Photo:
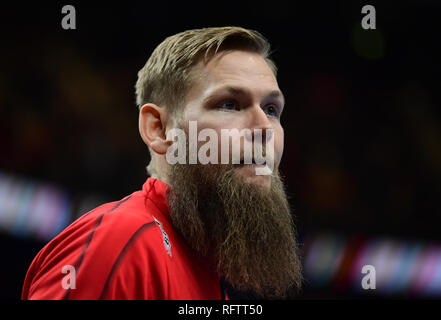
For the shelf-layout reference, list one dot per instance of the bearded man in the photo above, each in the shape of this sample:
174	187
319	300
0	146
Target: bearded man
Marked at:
192	227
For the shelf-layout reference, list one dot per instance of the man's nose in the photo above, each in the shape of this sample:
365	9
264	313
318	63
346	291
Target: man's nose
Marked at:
259	120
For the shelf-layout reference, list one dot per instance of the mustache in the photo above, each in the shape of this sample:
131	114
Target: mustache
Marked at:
232	147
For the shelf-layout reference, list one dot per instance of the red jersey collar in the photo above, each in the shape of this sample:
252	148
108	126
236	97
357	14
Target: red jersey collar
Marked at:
156	190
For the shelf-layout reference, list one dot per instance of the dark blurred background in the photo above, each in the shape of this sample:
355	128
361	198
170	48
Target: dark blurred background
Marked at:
362	159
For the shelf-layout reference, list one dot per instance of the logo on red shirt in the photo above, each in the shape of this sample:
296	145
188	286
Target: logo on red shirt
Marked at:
167	243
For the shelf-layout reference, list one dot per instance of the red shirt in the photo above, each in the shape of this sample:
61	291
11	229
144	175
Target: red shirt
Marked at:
122	250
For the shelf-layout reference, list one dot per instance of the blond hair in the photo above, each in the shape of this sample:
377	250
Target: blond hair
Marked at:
167	76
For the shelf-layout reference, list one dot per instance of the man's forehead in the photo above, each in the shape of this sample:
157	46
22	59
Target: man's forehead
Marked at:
236	73
239	64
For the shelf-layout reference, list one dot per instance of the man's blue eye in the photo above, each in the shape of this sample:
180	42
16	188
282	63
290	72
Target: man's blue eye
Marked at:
272	111
228	105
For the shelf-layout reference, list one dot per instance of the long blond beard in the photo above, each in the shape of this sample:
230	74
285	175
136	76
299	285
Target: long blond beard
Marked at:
248	231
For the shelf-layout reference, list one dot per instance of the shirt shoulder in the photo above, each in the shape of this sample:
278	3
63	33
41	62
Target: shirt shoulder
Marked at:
98	249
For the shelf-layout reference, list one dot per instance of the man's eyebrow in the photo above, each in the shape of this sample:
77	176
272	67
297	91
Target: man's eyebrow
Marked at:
275	94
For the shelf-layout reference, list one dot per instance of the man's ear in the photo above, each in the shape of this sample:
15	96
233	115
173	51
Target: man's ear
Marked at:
152	127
